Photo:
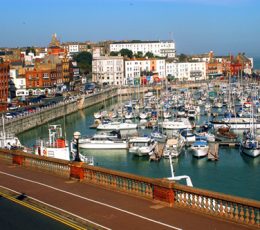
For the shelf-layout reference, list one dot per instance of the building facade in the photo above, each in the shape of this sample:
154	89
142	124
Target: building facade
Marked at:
4	78
150	69
158	48
186	71
108	70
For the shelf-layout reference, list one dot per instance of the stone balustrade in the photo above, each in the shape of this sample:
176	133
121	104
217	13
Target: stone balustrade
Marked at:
240	210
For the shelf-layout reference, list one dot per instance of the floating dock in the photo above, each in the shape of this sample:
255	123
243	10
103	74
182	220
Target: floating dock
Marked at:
157	153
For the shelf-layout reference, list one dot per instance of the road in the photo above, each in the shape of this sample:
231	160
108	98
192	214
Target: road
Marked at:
102	207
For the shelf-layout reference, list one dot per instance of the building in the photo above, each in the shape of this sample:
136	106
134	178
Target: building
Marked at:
150	69
4	78
186	71
158	48
108	70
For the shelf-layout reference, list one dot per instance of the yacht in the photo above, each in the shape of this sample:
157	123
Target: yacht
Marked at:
117	126
103	140
236	122
200	148
177	124
142	146
173	146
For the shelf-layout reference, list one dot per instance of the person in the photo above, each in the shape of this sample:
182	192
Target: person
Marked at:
9	146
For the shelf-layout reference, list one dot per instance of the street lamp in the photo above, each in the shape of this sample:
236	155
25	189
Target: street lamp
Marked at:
76	138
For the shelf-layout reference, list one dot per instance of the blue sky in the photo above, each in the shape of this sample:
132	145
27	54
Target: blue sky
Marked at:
197	26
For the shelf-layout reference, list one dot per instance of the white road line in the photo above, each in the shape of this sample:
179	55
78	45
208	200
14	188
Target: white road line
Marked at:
49	205
94	201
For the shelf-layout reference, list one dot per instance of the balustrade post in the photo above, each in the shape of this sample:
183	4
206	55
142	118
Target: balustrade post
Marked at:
76	170
163	191
18	159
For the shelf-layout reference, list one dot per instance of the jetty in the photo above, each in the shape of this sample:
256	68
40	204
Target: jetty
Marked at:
158	153
213	151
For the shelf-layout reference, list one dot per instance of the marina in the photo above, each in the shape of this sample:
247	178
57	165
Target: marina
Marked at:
225	169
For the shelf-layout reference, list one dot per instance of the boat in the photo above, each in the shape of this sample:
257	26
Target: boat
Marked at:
103	140
224	133
177	124
173	146
142	146
251	147
236	122
56	146
200	148
9	140
116	126
188	135
157	135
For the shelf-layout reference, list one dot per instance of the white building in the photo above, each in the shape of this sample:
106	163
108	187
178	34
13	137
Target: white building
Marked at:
108	70
158	48
71	47
19	82
186	71
150	68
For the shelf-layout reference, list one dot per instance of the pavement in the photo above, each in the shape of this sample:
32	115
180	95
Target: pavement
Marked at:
104	208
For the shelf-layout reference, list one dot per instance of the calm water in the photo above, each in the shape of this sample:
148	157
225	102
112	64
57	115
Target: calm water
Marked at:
234	173
256	62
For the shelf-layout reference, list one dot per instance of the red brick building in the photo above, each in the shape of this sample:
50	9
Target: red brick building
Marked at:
4	77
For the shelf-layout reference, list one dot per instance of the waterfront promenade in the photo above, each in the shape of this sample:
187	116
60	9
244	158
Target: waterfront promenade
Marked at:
104	208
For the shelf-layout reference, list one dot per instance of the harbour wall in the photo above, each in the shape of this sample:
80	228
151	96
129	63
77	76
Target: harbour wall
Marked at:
63	108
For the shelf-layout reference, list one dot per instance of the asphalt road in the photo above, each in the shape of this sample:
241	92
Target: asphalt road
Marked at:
16	216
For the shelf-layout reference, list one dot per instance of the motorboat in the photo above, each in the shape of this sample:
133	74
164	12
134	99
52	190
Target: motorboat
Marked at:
177	124
104	140
55	146
188	135
173	146
200	148
116	125
157	135
251	147
142	146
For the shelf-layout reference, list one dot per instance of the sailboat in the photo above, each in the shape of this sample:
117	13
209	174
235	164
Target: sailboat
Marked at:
250	145
8	140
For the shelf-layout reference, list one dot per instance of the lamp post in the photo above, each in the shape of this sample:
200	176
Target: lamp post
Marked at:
76	138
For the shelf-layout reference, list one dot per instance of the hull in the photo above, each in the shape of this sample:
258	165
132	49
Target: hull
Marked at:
58	153
252	152
121	126
104	145
200	151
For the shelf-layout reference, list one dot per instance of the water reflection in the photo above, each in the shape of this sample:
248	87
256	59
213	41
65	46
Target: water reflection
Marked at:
252	162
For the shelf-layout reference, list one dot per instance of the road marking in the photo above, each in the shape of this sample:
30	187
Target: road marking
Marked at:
43	212
93	201
60	209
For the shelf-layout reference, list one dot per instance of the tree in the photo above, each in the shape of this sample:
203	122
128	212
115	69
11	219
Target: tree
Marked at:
84	61
149	55
183	58
114	53
30	50
126	52
139	54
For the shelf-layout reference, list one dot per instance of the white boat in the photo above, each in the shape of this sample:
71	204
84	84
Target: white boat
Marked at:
177	124
200	148
142	146
158	136
8	140
192	113
188	135
251	147
104	140
55	146
236	122
173	146
117	126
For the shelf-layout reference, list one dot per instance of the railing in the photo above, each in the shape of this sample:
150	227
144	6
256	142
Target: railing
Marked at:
225	206
239	210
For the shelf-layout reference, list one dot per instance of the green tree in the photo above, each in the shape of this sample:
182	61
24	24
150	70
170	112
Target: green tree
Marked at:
30	50
139	54
84	61
149	55
183	58
114	53
126	52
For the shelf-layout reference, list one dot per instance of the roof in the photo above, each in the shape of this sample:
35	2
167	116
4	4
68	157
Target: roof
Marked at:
139	41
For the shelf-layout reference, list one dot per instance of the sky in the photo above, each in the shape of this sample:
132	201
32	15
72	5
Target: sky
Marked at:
196	26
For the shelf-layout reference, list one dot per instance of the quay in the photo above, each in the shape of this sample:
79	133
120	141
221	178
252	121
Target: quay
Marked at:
108	199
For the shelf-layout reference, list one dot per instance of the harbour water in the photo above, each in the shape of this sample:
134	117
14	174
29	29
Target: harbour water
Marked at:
234	173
